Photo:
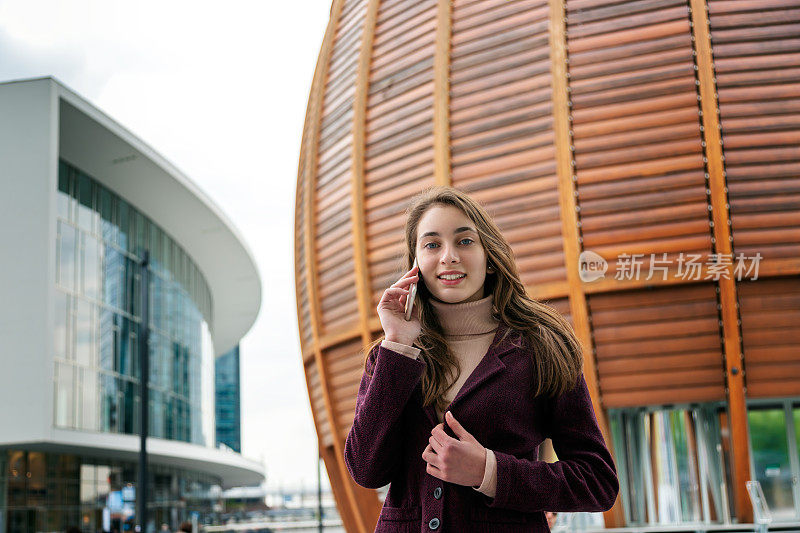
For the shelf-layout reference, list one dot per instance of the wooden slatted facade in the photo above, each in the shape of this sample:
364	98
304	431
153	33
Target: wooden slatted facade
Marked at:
657	346
757	63
661	127
399	130
770	313
501	127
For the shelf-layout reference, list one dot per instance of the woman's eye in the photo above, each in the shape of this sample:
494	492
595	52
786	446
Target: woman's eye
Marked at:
469	241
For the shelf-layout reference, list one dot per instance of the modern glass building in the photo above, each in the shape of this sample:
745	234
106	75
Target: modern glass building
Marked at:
229	423
82	200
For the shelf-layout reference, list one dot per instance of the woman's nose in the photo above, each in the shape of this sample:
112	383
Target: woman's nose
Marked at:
449	255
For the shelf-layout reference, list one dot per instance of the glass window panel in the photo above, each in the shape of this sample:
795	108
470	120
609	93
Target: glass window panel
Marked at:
177	366
125	356
122	222
92	281
137	238
179	303
67	255
186	264
62	197
714	448
129	273
84	346
685	457
130	229
37	480
169	309
165	365
65	390
134	347
169	257
136	280
86	213
88	484
155	248
15	481
172	413
771	459
37	466
106	336
107	228
670	464
152	358
156	413
156	292
130	404
89	399
117	342
61	314
113	268
796	416
164	252
108	403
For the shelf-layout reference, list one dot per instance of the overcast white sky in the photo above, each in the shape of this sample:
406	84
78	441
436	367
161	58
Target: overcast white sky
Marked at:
220	90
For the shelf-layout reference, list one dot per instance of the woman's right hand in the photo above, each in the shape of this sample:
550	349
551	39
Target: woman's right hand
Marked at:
392	311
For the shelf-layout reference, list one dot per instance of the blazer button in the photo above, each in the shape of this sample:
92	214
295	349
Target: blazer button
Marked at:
437	492
434	523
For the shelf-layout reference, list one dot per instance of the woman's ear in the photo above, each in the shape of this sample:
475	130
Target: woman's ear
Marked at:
489	268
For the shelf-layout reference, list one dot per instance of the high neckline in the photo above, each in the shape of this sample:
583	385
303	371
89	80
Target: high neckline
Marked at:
466	318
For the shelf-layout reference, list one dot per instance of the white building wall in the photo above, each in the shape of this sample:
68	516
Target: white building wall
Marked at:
28	184
29	154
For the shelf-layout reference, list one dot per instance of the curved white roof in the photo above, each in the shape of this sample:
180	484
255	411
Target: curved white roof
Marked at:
232	468
95	143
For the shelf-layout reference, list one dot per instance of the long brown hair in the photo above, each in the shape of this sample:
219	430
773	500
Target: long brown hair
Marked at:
555	351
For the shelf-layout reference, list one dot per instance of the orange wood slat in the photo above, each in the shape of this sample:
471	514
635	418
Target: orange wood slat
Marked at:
660	343
770	310
752	38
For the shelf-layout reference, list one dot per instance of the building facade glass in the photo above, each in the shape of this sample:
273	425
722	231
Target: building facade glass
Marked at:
99	245
775	454
673	464
227	391
52	492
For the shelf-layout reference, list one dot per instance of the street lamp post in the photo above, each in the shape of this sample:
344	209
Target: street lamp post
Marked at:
144	382
319	486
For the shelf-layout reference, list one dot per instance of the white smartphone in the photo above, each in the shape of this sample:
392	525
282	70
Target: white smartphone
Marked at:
412	293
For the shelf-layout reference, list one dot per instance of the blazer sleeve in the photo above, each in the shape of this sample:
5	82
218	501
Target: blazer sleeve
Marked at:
373	447
583	479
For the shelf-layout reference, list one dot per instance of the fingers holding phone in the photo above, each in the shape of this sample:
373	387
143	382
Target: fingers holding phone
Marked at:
412	293
396	303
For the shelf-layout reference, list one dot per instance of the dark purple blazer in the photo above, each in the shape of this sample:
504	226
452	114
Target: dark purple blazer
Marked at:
497	406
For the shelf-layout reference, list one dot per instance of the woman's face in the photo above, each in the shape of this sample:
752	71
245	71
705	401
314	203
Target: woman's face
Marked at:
447	241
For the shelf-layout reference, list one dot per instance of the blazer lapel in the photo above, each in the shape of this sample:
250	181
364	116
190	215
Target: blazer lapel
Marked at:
488	367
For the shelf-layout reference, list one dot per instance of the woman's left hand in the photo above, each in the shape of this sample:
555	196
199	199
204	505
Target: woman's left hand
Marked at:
460	460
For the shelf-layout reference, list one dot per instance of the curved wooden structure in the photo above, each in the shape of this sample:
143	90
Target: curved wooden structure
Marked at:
638	127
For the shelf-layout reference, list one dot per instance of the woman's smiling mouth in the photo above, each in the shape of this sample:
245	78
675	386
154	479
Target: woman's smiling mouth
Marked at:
451	279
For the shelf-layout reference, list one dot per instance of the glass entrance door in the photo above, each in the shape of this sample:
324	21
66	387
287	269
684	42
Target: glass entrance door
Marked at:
774	451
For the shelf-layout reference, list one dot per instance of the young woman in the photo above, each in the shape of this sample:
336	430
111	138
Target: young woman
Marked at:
454	403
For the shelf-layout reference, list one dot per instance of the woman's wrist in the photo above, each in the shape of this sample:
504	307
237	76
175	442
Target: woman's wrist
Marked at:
400	340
